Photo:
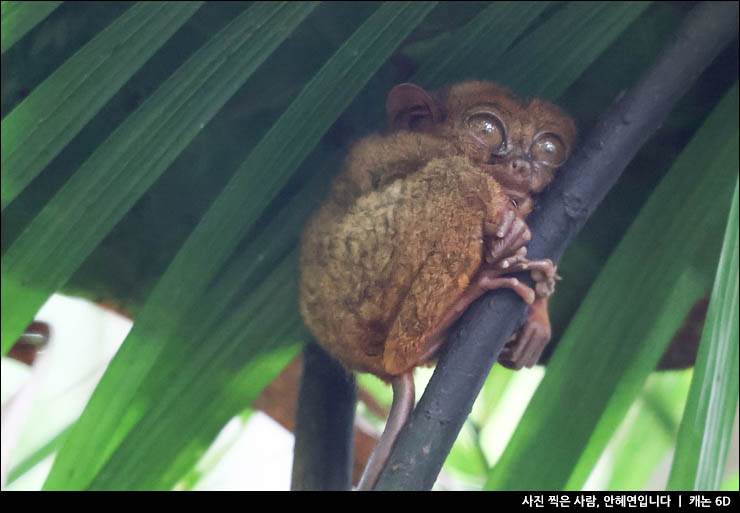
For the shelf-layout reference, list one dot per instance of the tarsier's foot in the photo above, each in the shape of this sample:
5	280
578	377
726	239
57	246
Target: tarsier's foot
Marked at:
487	279
505	253
490	279
526	345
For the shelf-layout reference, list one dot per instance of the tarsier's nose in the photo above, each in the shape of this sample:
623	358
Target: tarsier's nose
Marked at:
520	165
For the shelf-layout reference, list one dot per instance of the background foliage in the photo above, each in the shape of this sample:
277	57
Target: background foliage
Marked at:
162	159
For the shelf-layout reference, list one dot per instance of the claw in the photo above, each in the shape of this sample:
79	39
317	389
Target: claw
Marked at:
517	258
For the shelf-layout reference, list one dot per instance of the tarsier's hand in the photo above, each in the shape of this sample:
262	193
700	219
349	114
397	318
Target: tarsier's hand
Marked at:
507	240
505	253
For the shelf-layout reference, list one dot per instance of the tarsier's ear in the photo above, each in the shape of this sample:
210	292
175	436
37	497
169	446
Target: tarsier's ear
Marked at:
409	106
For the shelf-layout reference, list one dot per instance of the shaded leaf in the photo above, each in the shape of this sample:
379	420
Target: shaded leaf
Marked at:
494	29
39	128
116	407
18	18
547	61
107	185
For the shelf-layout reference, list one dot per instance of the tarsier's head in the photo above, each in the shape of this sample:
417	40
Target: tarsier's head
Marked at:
521	144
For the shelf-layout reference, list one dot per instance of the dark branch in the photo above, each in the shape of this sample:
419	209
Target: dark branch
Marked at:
325	416
425	442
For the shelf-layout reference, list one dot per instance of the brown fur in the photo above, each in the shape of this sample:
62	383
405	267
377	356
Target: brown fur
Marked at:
400	236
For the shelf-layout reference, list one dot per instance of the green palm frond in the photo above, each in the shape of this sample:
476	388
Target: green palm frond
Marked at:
166	162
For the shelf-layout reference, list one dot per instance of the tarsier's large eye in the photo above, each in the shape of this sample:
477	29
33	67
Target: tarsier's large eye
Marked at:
488	128
549	149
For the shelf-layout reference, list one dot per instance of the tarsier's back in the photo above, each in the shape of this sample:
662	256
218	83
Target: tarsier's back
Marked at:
407	224
392	265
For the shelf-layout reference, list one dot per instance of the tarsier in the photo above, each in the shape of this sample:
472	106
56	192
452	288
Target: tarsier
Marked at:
423	220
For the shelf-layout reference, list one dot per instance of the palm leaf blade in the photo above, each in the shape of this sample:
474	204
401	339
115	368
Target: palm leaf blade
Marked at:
707	424
18	18
588	27
39	128
101	428
108	184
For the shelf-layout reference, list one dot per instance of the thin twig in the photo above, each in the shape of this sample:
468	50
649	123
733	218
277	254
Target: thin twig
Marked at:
477	341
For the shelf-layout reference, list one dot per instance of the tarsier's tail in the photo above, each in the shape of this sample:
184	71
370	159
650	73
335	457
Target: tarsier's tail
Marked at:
403	404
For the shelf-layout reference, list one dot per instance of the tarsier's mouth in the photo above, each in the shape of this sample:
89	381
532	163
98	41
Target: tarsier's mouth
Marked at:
512	187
